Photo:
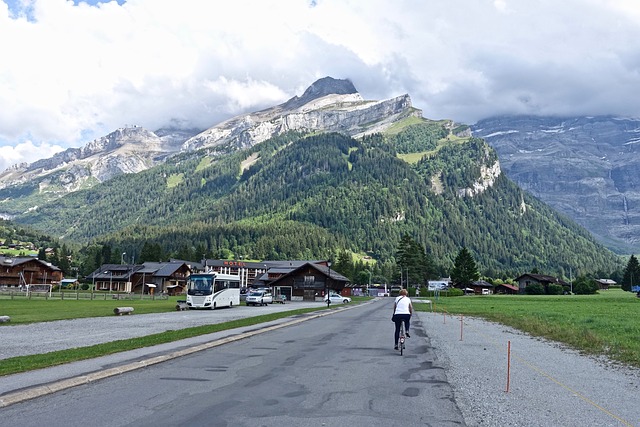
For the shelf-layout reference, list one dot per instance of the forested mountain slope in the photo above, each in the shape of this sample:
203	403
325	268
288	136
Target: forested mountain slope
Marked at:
307	196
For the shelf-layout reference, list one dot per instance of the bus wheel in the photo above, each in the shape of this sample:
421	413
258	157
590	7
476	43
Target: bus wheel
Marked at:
214	306
230	303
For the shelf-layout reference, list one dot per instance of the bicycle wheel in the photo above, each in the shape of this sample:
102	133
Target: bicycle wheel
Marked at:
401	339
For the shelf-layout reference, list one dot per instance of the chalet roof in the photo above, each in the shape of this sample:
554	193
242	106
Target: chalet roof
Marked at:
191	264
161	269
542	278
606	281
12	261
482	283
114	271
508	286
335	276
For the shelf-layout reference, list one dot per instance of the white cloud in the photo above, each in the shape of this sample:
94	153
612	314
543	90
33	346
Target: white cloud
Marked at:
25	152
72	73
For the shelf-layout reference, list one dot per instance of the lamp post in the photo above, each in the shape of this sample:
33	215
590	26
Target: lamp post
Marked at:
329	268
122	257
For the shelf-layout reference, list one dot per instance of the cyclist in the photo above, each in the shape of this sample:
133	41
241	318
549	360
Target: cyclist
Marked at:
402	310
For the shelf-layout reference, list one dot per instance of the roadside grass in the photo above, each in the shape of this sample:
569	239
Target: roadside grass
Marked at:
34	310
604	324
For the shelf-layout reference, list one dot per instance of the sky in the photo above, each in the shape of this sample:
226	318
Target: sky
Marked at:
73	71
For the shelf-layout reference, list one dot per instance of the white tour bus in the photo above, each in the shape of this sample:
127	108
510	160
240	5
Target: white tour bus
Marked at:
213	290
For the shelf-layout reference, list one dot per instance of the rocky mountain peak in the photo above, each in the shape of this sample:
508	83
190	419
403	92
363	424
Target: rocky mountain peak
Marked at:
328	105
321	87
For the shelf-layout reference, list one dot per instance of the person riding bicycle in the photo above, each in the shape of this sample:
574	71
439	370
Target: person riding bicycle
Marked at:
402	310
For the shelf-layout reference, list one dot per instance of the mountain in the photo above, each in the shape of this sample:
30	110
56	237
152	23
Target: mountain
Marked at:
585	167
321	173
126	150
327	105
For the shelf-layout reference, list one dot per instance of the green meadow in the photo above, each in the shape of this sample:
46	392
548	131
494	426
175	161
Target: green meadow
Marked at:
604	324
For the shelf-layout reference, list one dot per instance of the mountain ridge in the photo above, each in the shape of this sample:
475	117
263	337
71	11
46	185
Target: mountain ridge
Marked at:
585	167
327	105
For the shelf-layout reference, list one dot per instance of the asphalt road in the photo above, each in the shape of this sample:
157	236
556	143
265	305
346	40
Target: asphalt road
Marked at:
334	370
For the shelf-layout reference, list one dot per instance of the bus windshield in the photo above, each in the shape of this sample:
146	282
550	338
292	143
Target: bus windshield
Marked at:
200	285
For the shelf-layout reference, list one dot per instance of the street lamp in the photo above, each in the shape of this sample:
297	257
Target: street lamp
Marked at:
327	292
122	258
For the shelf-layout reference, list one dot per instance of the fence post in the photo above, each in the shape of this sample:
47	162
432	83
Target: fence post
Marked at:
508	365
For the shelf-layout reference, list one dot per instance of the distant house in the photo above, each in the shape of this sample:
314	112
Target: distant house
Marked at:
21	271
309	281
149	277
168	277
604	284
541	279
481	287
506	289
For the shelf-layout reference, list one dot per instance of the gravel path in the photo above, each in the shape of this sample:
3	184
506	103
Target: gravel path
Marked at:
549	384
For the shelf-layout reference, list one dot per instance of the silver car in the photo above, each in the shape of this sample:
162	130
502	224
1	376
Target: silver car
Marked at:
259	298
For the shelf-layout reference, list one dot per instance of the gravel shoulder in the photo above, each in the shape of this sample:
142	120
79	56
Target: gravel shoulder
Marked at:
549	384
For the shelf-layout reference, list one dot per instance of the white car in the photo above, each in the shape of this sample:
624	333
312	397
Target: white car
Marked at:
259	298
337	298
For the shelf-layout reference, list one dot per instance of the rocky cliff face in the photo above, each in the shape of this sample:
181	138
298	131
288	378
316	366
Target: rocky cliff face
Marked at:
328	105
126	150
585	167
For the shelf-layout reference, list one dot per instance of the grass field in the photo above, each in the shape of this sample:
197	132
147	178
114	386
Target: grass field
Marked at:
604	324
22	310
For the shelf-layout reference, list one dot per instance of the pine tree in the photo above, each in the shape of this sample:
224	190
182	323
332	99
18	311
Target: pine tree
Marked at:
631	275
464	270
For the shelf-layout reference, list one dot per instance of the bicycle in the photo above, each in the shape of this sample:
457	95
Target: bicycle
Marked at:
401	339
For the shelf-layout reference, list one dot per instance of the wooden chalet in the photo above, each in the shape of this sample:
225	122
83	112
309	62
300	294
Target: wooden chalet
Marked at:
149	277
604	284
506	289
16	272
308	281
541	279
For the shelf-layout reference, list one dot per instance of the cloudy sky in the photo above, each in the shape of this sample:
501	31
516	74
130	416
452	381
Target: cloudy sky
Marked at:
72	71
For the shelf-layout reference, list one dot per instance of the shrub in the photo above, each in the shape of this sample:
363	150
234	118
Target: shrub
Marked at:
452	292
555	290
534	289
84	286
585	288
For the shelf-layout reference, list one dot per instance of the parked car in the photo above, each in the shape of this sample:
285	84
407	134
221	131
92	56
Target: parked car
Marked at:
259	298
337	298
280	299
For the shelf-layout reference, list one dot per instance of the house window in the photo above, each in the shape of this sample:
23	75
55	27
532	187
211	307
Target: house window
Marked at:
309	280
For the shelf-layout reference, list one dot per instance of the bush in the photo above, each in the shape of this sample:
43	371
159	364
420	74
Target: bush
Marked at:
84	286
585	288
534	289
555	290
452	292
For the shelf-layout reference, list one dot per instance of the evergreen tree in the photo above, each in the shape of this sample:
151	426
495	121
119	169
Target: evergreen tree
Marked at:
464	270
631	275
